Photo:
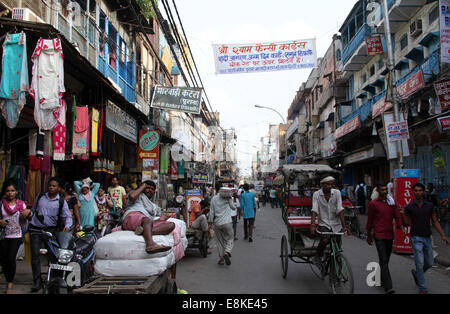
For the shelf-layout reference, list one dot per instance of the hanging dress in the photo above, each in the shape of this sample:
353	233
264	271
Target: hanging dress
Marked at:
14	80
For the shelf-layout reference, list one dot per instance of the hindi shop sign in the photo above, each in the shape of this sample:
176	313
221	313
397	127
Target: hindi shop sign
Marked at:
265	57
442	89
148	144
397	131
121	122
200	178
348	127
444	15
412	85
380	106
186	99
374	45
444	124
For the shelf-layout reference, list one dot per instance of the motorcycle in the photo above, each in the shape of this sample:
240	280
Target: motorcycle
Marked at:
70	259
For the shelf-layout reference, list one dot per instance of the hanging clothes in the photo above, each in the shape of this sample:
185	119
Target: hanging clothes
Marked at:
59	138
71	117
94	132
81	128
40	144
14	81
47	83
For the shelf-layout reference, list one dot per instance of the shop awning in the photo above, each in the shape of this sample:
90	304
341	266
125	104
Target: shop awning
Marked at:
415	54
429	37
401	63
330	117
320	125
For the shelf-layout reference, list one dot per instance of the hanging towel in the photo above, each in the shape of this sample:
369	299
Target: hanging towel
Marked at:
47	83
14	81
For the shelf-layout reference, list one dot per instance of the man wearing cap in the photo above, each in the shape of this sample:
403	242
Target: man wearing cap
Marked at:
327	206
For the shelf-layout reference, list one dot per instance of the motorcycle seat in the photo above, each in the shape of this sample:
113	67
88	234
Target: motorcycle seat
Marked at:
85	244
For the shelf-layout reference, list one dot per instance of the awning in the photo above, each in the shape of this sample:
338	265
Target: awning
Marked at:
400	63
330	117
362	95
415	53
379	82
369	88
320	125
429	37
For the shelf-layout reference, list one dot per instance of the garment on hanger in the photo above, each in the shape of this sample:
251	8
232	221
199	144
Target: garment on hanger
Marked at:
47	83
81	128
94	132
14	80
59	138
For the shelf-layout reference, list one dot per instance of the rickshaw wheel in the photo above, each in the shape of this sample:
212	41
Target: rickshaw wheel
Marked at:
284	256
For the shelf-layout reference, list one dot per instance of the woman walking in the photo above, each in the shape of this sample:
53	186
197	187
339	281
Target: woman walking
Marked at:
104	204
71	199
13	215
220	219
86	213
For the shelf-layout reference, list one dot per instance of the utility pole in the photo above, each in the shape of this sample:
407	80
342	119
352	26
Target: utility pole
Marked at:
392	81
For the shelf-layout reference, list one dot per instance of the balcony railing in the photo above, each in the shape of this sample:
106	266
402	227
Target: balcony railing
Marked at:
355	42
364	111
429	67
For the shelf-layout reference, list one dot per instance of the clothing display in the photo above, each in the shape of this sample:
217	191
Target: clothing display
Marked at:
59	137
14	80
94	132
47	83
81	128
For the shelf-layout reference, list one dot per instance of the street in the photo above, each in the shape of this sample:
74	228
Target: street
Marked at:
256	267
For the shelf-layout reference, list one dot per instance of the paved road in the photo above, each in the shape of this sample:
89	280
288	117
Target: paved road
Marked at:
256	267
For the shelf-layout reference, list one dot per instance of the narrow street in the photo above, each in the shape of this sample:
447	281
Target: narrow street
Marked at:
256	267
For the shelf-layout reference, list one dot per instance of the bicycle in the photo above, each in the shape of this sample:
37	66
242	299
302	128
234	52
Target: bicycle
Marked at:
335	265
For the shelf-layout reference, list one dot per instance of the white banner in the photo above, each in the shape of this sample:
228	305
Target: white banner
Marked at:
388	118
444	15
266	57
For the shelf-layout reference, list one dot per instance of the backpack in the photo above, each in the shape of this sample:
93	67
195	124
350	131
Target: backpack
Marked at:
60	223
360	193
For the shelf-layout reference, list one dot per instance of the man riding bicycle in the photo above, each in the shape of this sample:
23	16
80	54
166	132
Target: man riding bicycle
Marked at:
327	206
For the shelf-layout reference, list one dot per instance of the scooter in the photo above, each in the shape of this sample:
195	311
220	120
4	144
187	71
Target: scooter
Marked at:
70	259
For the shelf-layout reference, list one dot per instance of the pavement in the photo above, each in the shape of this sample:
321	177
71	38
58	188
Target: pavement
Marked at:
441	251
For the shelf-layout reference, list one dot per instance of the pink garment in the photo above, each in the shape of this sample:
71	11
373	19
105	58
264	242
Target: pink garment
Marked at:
59	137
81	129
13	229
178	248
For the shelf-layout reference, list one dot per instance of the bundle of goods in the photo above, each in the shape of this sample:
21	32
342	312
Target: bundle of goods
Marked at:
122	253
226	192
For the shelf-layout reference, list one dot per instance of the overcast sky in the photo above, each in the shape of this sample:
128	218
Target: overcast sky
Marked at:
208	22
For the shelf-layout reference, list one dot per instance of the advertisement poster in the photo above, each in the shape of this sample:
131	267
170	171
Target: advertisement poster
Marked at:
193	197
397	131
200	177
388	118
442	89
374	45
444	15
404	179
265	57
148	144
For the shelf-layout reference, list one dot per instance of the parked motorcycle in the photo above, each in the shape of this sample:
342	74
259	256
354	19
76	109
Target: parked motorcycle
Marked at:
70	259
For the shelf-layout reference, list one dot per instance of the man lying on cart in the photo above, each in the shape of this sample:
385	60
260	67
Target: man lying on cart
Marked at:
327	206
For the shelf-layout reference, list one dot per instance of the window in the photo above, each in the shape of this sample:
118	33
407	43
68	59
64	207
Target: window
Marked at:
434	15
372	70
403	42
112	46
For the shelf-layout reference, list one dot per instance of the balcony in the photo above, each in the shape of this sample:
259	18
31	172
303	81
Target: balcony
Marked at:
429	67
400	12
364	111
355	53
325	97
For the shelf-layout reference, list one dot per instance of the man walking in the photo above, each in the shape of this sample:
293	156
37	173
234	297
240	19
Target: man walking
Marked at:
220	220
48	210
327	206
248	207
381	213
118	195
272	196
419	213
361	194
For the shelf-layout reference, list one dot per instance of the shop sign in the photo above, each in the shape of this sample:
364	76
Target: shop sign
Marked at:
121	122
374	45
412	85
348	127
442	89
186	99
148	144
444	123
404	179
200	177
397	131
193	197
173	170
391	147
380	106
444	16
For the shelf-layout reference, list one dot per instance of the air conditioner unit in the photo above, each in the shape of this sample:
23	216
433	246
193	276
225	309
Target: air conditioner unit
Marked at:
25	14
415	28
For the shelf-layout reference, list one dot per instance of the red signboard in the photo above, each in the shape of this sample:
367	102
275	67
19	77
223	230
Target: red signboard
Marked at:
444	123
148	144
412	85
348	127
380	107
403	196
442	89
374	45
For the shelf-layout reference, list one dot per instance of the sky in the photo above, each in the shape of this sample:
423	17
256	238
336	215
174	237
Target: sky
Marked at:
208	22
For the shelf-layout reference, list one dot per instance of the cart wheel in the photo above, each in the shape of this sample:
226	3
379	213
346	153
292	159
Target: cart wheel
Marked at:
341	276
284	256
203	246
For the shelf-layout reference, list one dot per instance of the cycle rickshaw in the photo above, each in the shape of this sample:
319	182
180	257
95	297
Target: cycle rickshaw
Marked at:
300	182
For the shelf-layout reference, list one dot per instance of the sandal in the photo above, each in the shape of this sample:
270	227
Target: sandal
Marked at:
221	262
226	257
157	248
